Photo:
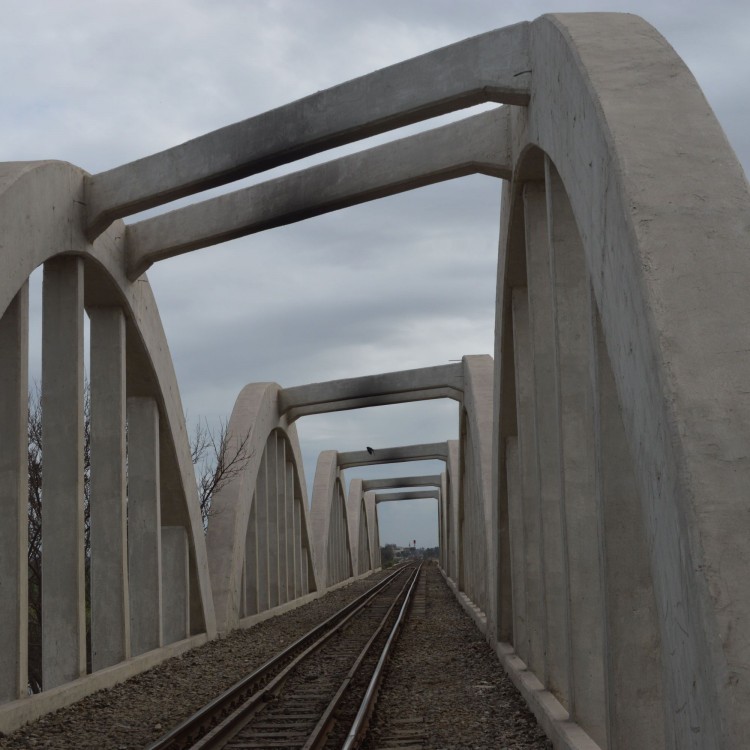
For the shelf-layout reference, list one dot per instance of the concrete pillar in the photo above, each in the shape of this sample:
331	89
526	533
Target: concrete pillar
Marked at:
175	584
144	525
536	623
547	431
364	538
273	491
261	504
281	501
291	561
305	560
110	606
63	608
251	562
331	558
14	577
632	642
299	552
572	324
515	520
454	477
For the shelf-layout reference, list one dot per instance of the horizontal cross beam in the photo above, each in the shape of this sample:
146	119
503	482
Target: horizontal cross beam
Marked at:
394	455
392	483
388	497
442	381
478	144
491	67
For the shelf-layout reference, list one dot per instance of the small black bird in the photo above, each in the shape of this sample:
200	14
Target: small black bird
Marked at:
370	450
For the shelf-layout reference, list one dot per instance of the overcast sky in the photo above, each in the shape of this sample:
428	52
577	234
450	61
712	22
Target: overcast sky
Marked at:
403	282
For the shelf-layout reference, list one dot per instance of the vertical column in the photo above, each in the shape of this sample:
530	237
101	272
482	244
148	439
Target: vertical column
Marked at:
281	502
110	616
299	552
63	611
515	521
175	578
14	403
272	480
632	642
251	562
261	503
291	564
571	310
536	623
364	537
547	432
144	525
454	481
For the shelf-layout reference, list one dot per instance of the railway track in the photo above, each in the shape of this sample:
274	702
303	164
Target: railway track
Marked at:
317	693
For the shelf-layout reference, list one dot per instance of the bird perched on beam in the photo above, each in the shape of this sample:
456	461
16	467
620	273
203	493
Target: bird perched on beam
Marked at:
370	450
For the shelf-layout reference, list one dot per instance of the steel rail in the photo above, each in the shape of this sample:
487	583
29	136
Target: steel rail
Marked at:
360	723
203	721
325	724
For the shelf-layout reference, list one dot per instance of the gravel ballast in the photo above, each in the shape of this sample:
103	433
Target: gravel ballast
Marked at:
445	687
466	682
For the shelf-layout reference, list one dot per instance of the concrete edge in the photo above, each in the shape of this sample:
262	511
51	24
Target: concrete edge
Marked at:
549	712
25	710
248	622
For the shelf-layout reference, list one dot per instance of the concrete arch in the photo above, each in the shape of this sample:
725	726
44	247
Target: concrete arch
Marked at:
616	245
266	503
131	378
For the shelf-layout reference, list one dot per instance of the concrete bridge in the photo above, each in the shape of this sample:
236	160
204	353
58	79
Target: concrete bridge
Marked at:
593	508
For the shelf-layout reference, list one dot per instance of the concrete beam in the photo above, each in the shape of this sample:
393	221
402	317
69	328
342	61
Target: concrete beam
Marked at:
489	67
394	455
478	144
390	483
372	390
388	497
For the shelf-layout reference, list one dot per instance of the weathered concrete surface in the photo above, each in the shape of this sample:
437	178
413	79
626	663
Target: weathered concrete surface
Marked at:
478	144
491	67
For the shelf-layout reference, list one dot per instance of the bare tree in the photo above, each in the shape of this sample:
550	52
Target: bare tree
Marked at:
217	462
